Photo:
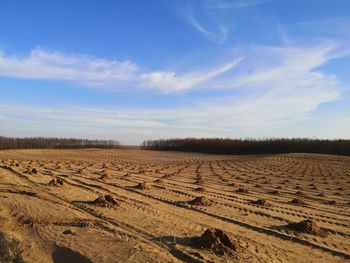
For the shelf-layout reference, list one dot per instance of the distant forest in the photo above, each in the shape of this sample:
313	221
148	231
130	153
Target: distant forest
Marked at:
54	143
250	146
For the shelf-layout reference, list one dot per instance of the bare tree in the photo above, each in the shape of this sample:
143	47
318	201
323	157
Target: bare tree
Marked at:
54	143
250	146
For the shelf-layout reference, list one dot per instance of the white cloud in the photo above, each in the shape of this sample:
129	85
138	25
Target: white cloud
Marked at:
218	36
172	82
54	65
102	73
273	87
234	4
215	19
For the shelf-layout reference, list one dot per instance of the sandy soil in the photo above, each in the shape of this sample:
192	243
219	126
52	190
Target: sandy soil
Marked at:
141	206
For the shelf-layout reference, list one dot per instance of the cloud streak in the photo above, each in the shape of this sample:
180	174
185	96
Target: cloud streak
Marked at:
102	73
224	4
219	34
270	87
215	19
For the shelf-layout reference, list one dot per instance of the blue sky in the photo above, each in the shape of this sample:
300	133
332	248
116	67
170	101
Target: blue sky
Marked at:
134	70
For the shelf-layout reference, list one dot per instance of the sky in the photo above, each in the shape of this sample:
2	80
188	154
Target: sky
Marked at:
136	70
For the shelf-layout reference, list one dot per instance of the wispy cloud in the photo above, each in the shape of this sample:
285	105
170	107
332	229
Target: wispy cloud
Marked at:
215	19
102	73
172	82
218	35
273	86
232	4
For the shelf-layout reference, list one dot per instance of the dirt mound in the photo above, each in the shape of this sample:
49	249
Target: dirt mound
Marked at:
332	202
297	201
105	174
9	249
104	201
261	202
199	181
300	193
201	200
308	226
64	254
141	171
242	190
200	189
143	186
81	171
218	242
159	181
28	171
56	182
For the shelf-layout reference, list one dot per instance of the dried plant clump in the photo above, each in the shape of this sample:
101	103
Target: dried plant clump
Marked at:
218	242
308	226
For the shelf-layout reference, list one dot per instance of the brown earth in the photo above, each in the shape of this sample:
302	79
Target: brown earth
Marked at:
61	205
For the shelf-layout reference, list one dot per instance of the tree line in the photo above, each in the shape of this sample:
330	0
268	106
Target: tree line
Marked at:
250	146
54	143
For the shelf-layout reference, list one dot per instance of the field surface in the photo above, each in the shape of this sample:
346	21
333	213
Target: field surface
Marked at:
130	205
